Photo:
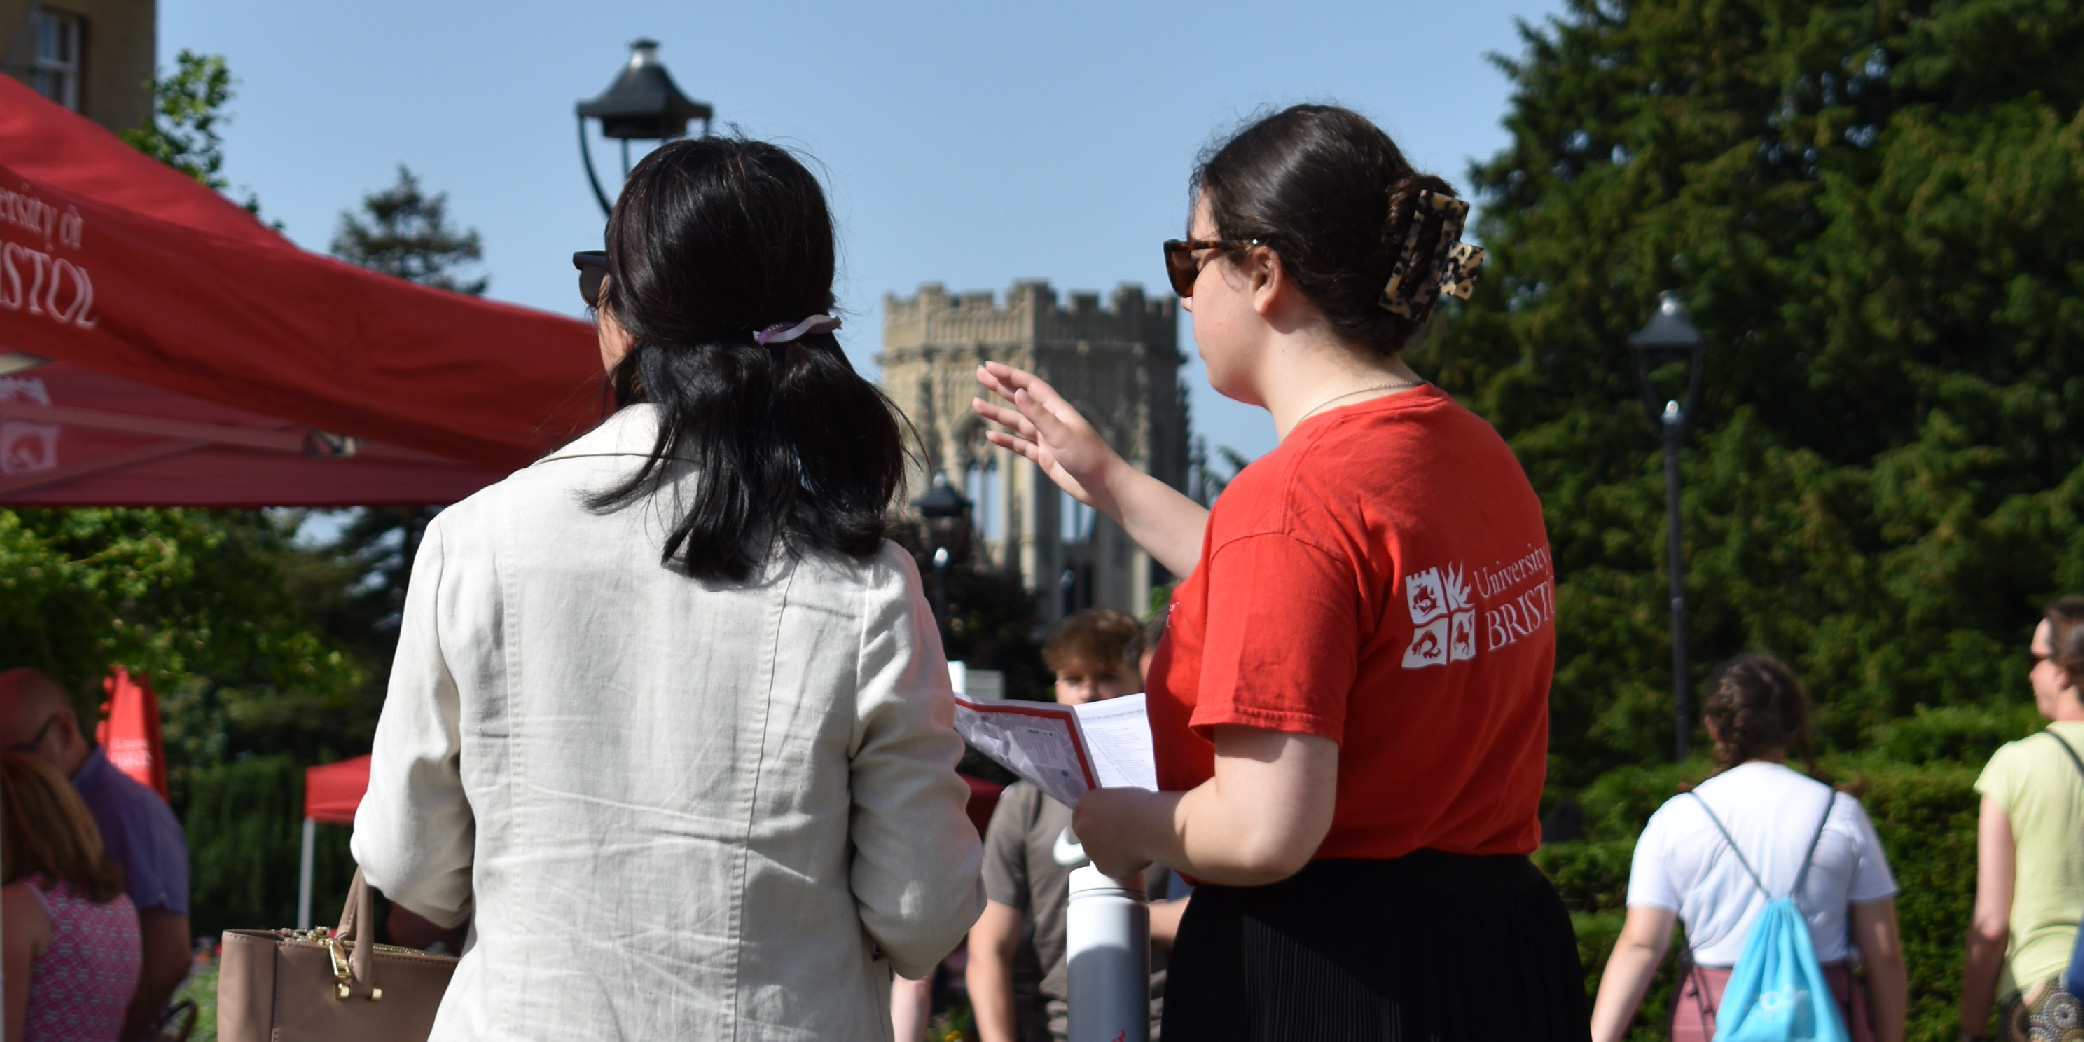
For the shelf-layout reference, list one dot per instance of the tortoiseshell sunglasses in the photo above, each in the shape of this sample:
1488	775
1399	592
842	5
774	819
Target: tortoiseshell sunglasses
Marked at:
1182	268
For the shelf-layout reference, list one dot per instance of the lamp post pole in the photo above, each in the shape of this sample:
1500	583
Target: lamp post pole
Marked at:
940	583
1674	422
1670	337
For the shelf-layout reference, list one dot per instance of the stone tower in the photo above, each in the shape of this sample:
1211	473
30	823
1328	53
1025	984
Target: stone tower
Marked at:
1119	365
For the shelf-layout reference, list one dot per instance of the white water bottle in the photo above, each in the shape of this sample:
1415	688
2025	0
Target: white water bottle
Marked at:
1107	941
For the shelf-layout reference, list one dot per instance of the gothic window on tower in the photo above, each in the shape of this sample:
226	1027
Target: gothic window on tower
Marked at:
1075	588
981	485
1075	521
54	70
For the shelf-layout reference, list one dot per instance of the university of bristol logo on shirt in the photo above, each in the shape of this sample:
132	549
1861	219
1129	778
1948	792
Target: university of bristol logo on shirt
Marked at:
1443	615
1439	603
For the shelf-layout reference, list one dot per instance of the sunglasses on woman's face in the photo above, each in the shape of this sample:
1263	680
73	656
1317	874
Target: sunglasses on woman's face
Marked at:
593	271
33	744
1182	267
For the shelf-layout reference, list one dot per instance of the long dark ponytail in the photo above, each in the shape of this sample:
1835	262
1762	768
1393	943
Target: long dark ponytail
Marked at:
712	240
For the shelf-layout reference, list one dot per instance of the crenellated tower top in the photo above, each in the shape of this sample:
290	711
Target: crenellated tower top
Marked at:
1118	364
1031	314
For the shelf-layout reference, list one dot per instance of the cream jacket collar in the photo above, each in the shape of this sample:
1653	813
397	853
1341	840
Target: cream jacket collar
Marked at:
632	431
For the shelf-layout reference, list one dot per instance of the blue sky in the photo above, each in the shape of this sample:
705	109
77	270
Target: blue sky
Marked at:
967	144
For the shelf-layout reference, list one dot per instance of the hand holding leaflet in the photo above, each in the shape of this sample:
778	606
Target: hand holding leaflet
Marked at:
1065	751
1036	740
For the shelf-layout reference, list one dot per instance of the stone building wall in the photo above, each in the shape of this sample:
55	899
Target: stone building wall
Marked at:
117	42
1118	363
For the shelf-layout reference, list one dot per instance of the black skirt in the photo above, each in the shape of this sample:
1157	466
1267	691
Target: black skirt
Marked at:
1431	946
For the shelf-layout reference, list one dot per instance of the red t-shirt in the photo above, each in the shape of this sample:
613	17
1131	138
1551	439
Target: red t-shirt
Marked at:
1381	579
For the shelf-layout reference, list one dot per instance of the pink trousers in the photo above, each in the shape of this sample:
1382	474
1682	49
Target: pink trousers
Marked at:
1700	991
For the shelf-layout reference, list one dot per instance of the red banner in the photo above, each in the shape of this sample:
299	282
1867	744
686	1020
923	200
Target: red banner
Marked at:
129	729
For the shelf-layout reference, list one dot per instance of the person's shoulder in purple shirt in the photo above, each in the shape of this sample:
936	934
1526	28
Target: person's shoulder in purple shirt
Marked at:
140	833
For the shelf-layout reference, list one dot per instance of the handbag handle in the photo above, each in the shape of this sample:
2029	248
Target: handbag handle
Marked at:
357	970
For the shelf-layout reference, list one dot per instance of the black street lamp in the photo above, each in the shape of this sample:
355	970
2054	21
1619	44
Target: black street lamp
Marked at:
1669	337
643	105
947	515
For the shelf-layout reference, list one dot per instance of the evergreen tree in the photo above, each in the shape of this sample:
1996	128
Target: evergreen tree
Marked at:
406	232
1873	209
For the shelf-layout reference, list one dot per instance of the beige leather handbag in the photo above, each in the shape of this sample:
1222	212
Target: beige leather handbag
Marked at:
328	986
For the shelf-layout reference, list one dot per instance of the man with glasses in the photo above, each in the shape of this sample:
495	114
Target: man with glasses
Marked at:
137	828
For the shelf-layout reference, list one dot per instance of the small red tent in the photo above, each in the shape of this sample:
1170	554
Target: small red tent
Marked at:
159	345
333	791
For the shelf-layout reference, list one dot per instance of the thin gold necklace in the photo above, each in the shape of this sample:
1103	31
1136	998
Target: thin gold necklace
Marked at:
1397	386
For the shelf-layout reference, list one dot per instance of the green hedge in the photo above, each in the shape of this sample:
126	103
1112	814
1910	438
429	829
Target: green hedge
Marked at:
1926	817
1918	774
245	823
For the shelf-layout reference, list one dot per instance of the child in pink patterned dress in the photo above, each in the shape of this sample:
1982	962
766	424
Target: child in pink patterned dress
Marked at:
71	945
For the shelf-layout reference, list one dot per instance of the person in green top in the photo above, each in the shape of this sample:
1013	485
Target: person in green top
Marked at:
2030	852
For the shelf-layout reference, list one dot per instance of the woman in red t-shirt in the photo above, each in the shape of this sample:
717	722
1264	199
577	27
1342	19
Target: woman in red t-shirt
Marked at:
1350	709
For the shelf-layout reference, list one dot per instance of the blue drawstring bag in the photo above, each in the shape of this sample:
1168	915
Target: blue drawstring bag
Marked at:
1777	991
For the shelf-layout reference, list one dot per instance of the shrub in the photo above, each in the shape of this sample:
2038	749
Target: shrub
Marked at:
244	821
1618	802
1926	817
1592	875
1961	734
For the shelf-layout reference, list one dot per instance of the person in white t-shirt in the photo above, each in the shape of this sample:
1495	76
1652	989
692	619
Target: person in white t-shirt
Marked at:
1685	870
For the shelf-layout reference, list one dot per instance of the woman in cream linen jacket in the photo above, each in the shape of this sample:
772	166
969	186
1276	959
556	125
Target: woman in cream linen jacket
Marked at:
670	808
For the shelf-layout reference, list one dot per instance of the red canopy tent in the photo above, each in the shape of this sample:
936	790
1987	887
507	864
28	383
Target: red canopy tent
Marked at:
159	345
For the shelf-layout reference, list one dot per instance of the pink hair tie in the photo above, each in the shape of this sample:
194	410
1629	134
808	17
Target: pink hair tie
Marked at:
782	332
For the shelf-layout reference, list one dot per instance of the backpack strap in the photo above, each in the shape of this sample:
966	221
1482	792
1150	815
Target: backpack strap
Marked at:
1830	804
1807	857
1689	967
1731	840
2066	747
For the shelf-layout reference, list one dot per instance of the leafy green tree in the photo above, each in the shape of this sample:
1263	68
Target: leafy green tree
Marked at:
1871	208
182	130
195	601
1206	482
186	109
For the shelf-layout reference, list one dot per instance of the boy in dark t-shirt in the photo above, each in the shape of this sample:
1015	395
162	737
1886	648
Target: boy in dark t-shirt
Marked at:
1026	890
